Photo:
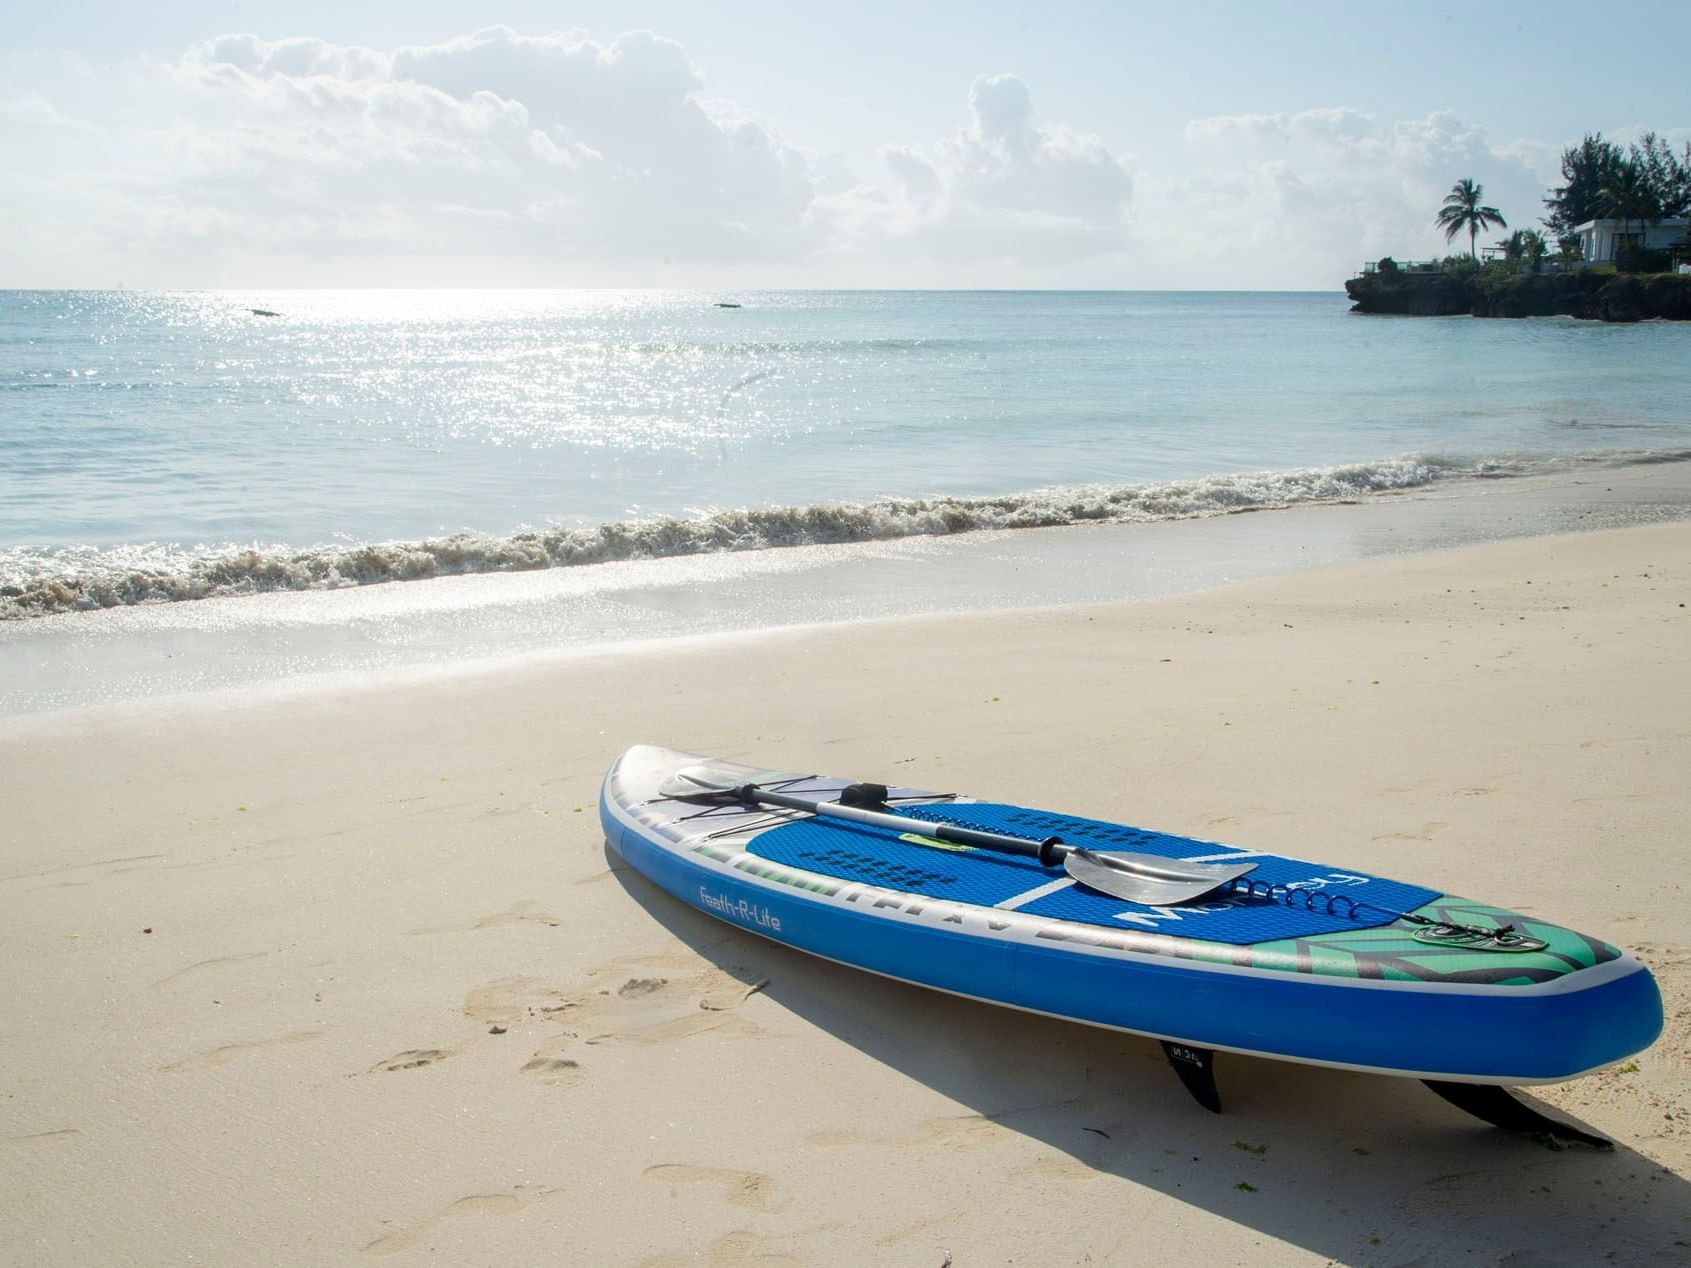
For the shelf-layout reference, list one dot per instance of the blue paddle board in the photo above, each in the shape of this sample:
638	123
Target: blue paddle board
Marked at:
1296	961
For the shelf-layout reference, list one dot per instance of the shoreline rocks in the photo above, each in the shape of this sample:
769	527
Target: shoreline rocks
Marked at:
1592	296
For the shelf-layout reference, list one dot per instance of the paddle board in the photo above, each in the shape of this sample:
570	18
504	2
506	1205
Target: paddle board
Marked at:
1291	960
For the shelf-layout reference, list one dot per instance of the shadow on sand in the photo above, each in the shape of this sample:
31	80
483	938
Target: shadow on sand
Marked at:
1325	1160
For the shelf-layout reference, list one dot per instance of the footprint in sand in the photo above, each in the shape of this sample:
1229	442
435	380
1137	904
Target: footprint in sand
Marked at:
495	1007
548	1066
412	1058
519	1199
645	1000
750	1189
654	1009
552	1070
513	999
227	1053
642	1001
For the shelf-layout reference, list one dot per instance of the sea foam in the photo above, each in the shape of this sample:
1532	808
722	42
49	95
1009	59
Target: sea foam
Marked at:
45	582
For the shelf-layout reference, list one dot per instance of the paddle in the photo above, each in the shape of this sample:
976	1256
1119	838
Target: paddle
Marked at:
1135	878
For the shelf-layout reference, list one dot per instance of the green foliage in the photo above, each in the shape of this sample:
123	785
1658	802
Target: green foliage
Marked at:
1461	210
1628	196
1667	174
1525	247
1387	267
1585	168
1460	267
1649	179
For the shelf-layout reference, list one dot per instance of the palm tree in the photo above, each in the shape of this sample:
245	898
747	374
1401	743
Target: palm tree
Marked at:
1525	244
1462	210
1535	247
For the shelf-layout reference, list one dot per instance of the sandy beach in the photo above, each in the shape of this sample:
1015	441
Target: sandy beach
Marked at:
347	977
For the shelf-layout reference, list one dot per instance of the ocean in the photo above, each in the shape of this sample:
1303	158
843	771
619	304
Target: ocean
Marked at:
270	486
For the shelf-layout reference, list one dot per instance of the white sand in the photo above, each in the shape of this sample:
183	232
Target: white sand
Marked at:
398	1001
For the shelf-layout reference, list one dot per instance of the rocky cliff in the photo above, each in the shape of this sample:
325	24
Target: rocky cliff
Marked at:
1593	295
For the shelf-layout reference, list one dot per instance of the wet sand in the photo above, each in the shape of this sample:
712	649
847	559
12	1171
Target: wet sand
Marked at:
350	637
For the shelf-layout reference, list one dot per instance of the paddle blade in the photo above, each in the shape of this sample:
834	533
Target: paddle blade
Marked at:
1149	878
705	781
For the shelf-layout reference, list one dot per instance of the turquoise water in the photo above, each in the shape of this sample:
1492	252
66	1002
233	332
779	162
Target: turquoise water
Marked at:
178	445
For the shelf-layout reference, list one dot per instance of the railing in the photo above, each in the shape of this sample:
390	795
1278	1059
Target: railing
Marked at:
1549	264
1408	266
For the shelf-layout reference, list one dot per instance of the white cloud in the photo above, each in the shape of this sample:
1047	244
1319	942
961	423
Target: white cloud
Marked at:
1006	189
1302	199
297	58
35	111
494	157
499	158
1338	125
549	149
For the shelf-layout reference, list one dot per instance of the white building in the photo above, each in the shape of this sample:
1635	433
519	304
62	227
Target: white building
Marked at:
1601	241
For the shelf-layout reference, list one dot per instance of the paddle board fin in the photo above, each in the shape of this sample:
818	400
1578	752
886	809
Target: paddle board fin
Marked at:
1499	1107
1495	1105
1196	1068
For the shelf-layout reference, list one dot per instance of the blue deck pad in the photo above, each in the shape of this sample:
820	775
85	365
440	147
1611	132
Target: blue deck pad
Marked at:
878	856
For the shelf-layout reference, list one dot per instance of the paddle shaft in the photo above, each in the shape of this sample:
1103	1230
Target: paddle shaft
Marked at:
1135	878
1048	853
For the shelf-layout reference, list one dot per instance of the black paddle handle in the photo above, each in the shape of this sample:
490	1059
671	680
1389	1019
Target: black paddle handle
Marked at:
1050	852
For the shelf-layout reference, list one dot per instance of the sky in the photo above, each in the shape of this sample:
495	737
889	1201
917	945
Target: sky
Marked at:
1199	145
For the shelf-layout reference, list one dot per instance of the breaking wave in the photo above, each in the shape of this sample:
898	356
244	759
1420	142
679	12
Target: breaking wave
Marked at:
42	583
